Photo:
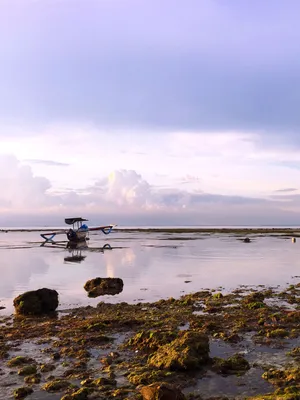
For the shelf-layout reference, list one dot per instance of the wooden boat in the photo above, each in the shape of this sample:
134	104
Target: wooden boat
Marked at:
78	232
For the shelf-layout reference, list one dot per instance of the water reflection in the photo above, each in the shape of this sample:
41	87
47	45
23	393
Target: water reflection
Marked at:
150	267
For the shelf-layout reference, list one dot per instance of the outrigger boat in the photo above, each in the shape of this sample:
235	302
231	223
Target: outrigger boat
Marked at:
79	231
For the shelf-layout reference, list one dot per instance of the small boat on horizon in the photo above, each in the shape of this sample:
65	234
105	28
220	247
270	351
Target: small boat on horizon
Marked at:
78	232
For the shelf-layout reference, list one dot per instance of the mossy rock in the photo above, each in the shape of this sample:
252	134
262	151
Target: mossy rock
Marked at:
33	379
295	352
96	326
20	360
278	333
103	286
189	351
36	302
47	368
81	394
256	297
56	386
235	364
255	305
104	382
147	376
22	392
283	378
217	296
151	340
27	370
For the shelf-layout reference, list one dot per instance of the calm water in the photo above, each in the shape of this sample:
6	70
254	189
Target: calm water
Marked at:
152	265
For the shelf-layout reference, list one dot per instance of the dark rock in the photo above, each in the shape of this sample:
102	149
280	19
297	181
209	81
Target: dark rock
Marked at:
102	286
36	302
22	392
161	391
247	240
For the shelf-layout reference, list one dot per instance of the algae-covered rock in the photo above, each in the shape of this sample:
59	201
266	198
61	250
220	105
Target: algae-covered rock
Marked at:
27	370
151	340
278	333
56	385
20	360
22	392
161	391
256	297
235	364
33	379
47	367
36	302
189	351
102	286
81	394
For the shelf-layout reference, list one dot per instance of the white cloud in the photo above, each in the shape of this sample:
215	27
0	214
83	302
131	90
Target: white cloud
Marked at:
19	188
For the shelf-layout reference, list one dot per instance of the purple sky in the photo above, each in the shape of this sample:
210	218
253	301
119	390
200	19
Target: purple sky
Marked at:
215	82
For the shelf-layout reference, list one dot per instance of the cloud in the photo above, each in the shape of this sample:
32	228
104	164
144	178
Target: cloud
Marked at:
19	188
48	162
124	195
204	67
286	190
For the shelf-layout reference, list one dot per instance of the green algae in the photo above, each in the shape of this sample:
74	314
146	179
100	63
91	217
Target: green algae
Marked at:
151	351
27	370
235	364
149	341
190	350
278	333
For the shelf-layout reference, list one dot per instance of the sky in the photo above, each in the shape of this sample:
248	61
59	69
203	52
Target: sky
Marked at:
150	113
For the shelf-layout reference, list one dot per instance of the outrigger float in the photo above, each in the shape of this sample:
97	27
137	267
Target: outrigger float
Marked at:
79	232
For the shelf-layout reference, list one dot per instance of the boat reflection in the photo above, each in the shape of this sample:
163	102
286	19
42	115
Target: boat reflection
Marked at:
76	248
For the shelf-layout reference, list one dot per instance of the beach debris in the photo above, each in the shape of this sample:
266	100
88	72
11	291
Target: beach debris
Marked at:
102	286
247	240
36	302
293	240
162	391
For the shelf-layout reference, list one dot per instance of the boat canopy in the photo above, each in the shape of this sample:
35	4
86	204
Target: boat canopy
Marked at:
71	221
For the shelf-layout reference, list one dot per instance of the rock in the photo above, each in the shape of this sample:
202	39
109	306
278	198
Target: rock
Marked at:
235	364
47	367
33	379
102	286
189	351
161	391
20	360
22	392
36	302
56	386
247	240
27	370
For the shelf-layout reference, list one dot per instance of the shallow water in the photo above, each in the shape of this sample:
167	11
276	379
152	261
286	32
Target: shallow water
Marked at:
152	265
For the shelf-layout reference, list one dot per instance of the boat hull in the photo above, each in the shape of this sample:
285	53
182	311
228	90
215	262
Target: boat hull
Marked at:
77	236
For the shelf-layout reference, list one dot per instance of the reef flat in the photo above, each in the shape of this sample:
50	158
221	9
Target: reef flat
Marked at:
207	345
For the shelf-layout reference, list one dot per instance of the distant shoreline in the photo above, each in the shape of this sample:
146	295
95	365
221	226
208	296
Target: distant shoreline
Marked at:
225	230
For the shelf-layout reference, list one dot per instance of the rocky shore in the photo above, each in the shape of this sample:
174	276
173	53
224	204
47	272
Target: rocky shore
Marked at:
204	345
